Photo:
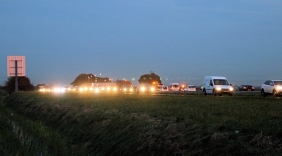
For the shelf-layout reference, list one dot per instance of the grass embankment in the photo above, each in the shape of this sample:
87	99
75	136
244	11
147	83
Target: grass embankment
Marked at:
120	124
22	136
9	144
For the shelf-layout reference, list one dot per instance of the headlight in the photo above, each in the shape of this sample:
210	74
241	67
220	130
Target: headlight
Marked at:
130	89
81	89
279	87
152	89
108	88
231	88
143	88
124	89
218	89
96	90
114	89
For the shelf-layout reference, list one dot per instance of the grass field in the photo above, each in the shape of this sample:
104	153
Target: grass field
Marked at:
131	124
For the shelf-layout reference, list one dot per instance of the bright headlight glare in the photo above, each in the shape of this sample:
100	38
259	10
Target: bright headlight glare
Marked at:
142	88
231	88
279	87
152	89
114	89
218	88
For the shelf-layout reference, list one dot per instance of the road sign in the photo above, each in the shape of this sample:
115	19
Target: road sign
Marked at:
16	65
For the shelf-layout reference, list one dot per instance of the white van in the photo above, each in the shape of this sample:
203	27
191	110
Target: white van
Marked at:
217	85
173	87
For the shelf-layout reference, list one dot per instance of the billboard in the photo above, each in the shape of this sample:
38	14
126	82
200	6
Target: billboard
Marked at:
11	65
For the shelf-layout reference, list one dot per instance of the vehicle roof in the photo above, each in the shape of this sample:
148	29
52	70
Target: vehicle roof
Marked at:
216	77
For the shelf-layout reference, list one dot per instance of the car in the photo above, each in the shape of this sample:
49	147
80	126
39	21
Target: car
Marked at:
173	87
273	87
246	88
145	88
190	88
164	88
126	88
217	85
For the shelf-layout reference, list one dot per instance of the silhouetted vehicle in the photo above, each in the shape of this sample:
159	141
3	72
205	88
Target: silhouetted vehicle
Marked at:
126	88
246	88
145	88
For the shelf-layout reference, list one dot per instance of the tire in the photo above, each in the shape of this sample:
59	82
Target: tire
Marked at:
263	94
213	92
204	91
274	93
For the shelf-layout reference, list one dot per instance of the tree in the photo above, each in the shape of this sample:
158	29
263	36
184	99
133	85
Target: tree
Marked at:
89	78
23	84
151	78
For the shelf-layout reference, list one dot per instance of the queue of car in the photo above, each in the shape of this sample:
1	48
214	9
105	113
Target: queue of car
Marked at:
214	85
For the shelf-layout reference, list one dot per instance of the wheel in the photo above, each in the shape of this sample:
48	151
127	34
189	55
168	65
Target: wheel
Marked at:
204	91
213	92
262	93
275	93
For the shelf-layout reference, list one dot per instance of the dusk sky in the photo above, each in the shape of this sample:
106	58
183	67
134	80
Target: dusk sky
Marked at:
179	40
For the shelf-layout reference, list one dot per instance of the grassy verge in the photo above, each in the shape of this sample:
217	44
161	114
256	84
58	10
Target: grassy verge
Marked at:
130	124
22	136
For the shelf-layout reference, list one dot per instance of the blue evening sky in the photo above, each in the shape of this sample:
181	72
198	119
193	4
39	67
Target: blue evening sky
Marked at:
180	40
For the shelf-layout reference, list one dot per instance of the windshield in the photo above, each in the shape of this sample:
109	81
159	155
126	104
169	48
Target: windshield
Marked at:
277	82
220	82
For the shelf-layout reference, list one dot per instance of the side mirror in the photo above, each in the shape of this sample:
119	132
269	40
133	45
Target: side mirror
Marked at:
211	84
230	84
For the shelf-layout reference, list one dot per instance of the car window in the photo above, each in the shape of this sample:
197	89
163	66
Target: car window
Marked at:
220	82
271	83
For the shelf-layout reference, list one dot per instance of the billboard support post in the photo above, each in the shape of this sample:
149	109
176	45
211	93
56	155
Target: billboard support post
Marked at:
16	76
16	68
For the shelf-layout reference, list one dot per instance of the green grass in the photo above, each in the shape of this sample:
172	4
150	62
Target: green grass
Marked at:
131	124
